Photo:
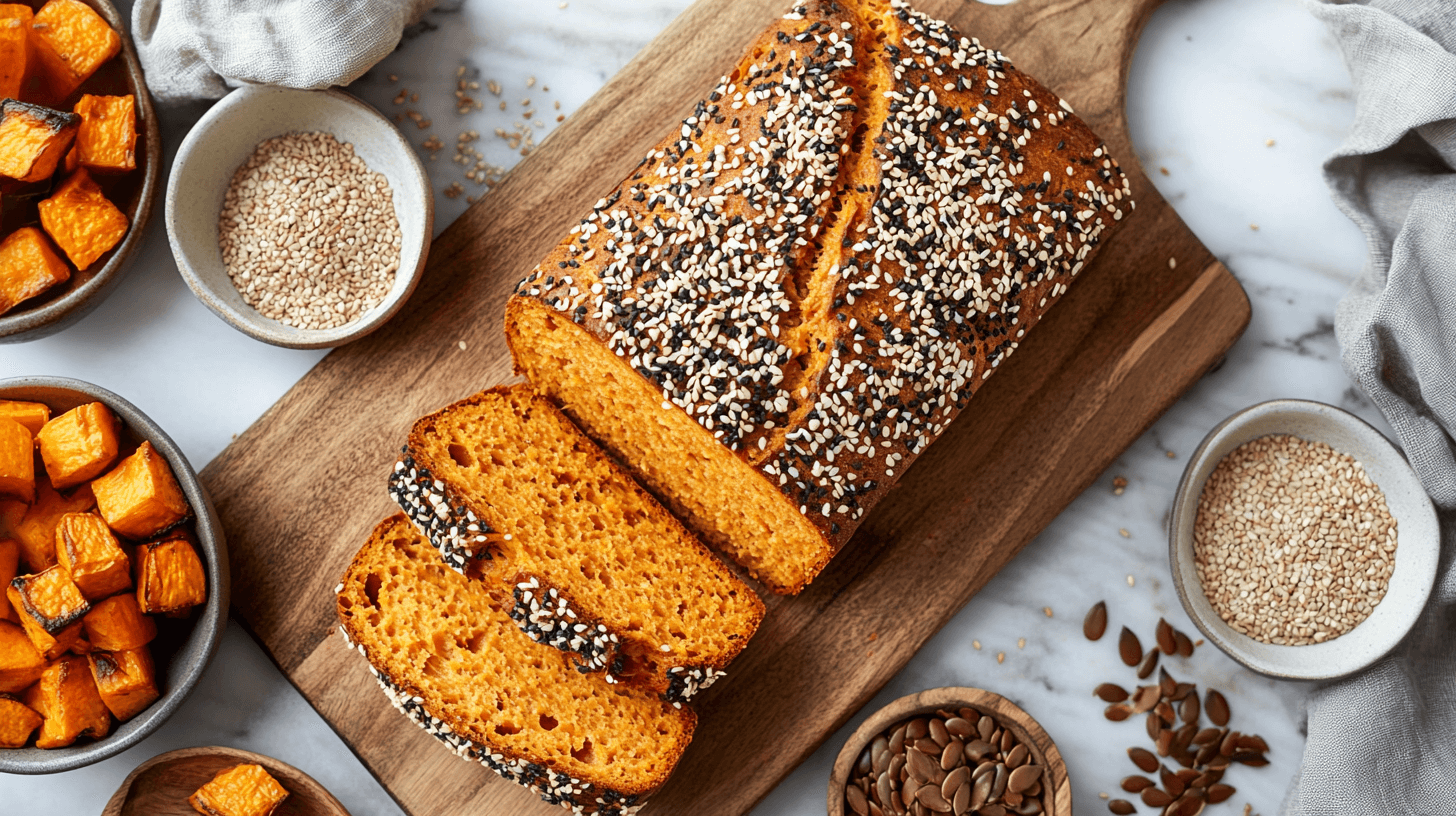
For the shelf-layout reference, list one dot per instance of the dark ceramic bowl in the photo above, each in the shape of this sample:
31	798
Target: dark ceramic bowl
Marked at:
133	193
183	646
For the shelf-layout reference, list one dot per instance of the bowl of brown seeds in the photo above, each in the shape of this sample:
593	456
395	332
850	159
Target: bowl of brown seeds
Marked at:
1302	543
302	218
950	750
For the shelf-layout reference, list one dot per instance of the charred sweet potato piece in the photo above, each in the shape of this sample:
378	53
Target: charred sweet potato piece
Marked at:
33	139
17	461
9	567
71	41
117	624
242	790
126	680
87	550
140	497
78	445
51	608
20	662
36	532
81	220
106	141
33	415
17	722
29	266
15	48
169	575
71	703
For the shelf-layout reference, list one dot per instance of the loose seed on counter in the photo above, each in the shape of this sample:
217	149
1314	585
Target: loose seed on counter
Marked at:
1095	624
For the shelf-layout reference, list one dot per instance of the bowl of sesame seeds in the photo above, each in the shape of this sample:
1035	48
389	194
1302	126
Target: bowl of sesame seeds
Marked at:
302	218
1301	542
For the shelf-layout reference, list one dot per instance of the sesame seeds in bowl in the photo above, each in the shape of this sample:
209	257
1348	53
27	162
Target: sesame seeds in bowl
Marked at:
1301	542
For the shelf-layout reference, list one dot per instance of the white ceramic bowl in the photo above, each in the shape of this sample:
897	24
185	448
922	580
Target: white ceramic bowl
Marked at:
1417	540
224	138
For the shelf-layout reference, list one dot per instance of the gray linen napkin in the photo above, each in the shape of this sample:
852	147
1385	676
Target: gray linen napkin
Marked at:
199	49
1384	741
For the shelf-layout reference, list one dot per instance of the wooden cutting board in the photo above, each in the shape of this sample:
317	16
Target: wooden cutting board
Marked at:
301	489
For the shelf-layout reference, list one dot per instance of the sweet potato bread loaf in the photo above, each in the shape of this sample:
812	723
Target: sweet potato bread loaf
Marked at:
794	293
452	660
583	558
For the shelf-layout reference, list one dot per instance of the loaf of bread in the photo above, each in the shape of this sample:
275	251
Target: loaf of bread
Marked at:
797	290
582	558
451	659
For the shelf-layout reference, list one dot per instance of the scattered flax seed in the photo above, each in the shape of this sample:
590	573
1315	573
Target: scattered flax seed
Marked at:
1122	531
1164	171
1170	454
1000	657
1119	484
1046	610
1293	542
308	232
401	97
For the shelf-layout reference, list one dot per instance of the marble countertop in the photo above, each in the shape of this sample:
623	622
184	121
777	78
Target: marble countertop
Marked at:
1233	105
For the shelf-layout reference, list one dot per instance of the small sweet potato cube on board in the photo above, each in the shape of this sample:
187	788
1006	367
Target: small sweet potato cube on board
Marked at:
51	608
242	790
15	48
72	704
9	568
29	266
36	532
17	722
127	681
17	461
33	415
140	497
33	139
106	141
117	624
169	575
81	220
71	41
20	662
86	548
78	445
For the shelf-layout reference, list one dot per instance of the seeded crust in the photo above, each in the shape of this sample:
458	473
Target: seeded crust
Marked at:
916	206
585	560
448	658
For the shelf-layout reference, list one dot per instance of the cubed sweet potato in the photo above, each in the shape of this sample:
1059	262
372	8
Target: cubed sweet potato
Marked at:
140	497
169	575
242	790
9	567
71	41
15	50
20	662
81	220
17	722
86	548
106	141
33	415
117	624
127	681
78	445
72	704
36	532
29	266
33	139
51	608
17	461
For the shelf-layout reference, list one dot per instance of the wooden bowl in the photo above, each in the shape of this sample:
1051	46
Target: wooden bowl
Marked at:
1057	789
133	192
160	786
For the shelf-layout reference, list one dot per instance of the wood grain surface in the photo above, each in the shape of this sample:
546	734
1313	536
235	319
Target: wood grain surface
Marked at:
300	490
160	786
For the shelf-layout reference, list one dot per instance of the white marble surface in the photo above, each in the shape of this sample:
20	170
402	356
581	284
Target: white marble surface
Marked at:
1212	81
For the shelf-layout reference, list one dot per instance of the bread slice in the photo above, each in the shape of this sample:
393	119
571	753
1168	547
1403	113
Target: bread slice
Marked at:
452	660
585	559
798	290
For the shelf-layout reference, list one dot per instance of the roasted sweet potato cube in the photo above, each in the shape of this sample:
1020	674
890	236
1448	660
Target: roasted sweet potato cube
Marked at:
169	577
71	41
106	141
71	703
86	548
17	461
51	608
15	49
33	415
36	532
81	220
33	139
140	497
20	662
9	567
29	266
242	790
126	680
78	445
17	722
117	624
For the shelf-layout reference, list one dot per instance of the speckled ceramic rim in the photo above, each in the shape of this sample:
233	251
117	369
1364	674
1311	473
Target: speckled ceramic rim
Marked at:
194	169
1417	537
191	660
